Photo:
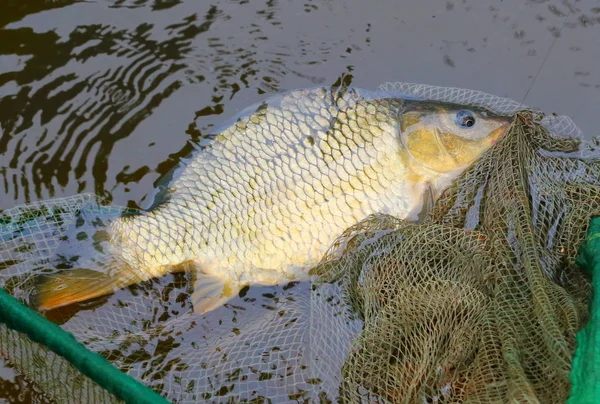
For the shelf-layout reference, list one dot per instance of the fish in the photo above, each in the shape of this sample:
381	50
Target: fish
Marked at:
265	199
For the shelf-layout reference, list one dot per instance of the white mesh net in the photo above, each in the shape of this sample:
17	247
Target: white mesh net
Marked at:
295	341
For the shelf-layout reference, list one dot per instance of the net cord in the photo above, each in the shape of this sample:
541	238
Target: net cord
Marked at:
22	319
585	374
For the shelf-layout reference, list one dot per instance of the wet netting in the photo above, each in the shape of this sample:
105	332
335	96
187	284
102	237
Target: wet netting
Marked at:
479	302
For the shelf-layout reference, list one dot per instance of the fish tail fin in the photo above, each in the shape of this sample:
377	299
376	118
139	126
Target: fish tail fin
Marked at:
78	285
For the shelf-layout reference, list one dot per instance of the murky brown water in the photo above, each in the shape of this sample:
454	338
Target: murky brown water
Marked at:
106	96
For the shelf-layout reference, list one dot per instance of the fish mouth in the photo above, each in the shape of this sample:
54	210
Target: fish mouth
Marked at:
497	133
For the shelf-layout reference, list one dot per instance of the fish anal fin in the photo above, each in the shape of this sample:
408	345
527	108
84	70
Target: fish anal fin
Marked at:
212	291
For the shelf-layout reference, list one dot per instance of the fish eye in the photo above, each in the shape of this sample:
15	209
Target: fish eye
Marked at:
465	119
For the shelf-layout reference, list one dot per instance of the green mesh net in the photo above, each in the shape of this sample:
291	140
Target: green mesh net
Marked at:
480	302
59	380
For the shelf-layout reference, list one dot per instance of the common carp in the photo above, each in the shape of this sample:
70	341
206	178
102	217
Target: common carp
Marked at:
265	200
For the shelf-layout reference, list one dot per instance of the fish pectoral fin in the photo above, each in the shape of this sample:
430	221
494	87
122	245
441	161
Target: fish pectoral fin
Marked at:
212	291
428	199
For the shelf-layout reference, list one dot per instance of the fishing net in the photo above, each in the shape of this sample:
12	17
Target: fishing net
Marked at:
479	302
50	372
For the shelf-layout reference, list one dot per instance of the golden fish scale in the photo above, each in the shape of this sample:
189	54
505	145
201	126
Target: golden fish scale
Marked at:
274	189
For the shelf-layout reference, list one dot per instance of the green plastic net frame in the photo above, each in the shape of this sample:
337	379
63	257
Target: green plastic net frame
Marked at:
37	347
585	376
62	367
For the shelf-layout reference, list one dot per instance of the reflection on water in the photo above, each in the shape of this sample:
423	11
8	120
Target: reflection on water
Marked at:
84	84
106	96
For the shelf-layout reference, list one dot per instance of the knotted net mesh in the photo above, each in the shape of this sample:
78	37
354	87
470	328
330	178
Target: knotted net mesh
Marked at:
480	302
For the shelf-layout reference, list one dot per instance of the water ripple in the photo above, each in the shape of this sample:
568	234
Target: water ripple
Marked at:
82	90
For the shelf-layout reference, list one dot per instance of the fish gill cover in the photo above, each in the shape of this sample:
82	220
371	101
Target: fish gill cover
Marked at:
479	302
